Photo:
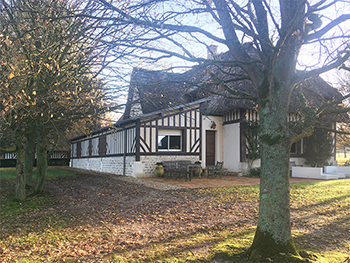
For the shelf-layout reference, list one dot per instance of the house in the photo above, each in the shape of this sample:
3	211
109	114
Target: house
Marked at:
193	116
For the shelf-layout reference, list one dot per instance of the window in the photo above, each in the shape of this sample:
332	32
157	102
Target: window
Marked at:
102	145
73	149
297	147
293	148
169	140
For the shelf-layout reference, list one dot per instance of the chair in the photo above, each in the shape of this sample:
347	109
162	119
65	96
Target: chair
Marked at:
215	170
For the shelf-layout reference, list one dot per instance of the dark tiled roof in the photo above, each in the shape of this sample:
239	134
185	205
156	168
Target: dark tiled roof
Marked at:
159	90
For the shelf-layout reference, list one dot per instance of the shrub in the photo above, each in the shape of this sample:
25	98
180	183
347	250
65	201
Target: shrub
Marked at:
255	172
318	148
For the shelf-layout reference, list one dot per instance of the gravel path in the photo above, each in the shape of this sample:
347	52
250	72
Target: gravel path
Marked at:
149	183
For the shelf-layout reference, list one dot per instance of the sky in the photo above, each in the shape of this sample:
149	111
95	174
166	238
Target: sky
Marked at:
311	56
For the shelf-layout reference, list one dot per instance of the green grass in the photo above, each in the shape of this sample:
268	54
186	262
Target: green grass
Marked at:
52	172
320	218
341	159
322	204
10	209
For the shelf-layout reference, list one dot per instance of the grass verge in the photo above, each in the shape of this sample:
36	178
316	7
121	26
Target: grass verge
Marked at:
320	227
52	172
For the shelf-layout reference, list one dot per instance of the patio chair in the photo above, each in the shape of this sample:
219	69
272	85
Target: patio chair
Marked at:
215	170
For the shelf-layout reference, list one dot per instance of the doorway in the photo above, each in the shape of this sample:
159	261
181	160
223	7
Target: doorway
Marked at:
210	147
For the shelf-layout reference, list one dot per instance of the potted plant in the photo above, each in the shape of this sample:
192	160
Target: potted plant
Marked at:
159	171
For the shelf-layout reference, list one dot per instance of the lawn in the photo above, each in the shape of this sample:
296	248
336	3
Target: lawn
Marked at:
341	159
100	218
52	172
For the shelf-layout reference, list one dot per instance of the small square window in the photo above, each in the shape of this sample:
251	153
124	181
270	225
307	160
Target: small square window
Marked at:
169	142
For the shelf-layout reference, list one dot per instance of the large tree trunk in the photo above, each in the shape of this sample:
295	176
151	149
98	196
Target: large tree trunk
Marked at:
20	193
29	159
273	233
41	162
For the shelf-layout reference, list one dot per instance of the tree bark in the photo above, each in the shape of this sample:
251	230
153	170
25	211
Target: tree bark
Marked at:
273	233
29	159
20	193
41	162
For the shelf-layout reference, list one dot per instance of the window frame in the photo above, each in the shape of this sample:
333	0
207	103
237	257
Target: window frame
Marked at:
170	133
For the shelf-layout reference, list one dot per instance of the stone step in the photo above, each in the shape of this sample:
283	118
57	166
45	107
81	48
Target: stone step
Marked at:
315	173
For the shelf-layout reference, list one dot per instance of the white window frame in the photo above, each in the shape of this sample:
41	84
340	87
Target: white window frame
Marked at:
169	132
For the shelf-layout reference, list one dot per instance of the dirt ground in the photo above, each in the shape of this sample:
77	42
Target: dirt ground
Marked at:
113	214
205	182
131	215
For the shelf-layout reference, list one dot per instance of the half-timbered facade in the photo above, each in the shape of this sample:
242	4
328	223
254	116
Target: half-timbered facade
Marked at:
134	146
187	116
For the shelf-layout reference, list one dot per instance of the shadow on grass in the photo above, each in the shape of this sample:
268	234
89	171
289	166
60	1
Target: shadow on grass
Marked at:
197	246
328	235
221	246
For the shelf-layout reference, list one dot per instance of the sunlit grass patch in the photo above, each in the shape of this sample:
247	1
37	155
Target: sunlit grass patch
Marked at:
227	194
322	218
49	244
332	192
235	246
196	247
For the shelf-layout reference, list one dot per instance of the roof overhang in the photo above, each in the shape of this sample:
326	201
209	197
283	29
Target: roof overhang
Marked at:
126	122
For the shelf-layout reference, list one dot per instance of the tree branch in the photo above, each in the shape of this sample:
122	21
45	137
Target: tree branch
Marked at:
328	27
158	24
337	64
333	130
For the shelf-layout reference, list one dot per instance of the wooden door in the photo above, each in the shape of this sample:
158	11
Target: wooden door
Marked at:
210	147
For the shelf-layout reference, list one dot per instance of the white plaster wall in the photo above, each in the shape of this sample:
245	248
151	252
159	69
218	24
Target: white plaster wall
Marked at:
231	147
206	126
332	161
299	161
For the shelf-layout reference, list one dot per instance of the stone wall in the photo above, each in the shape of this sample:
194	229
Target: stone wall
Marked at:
112	165
149	162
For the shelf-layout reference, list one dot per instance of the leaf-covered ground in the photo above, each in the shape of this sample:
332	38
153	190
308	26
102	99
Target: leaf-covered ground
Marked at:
93	217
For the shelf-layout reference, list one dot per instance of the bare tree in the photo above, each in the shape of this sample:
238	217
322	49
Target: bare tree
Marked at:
50	61
157	30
